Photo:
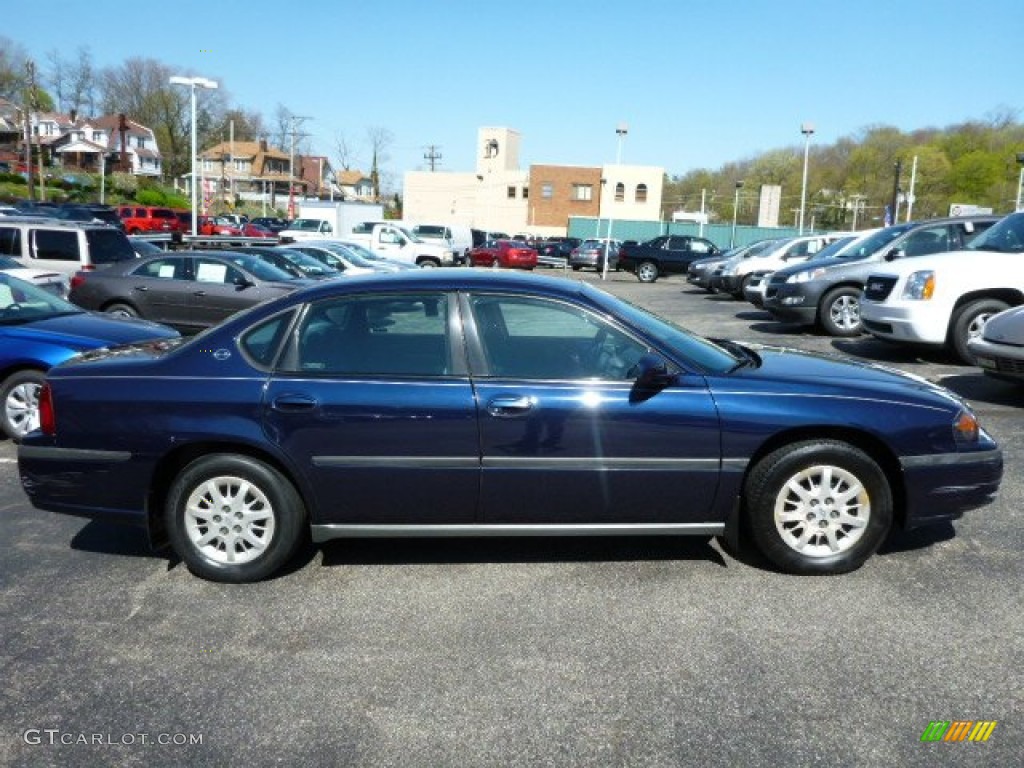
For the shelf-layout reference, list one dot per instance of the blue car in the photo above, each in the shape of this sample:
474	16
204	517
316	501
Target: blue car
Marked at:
479	403
39	330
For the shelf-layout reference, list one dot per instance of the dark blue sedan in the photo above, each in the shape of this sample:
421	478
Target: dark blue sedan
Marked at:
39	330
475	403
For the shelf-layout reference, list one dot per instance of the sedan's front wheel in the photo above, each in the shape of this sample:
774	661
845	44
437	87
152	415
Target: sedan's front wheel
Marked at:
19	396
818	507
233	518
969	323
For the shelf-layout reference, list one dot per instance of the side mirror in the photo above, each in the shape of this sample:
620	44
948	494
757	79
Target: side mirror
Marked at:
243	282
895	253
652	372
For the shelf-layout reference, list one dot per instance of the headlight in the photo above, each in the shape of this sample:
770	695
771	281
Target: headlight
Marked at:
920	285
806	276
965	427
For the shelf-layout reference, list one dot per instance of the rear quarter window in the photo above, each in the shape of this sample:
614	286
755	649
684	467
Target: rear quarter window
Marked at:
108	246
10	241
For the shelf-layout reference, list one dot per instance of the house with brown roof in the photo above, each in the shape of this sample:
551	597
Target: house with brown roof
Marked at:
87	144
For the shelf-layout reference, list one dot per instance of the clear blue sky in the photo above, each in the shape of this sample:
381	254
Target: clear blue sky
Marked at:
699	84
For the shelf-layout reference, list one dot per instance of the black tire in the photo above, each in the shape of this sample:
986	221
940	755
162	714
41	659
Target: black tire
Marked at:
647	271
777	518
428	263
576	267
839	312
968	322
121	310
19	403
738	294
273	533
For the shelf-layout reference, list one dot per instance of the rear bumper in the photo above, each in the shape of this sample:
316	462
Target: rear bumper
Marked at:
57	479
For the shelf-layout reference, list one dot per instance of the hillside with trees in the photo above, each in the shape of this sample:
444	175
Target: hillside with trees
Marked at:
971	163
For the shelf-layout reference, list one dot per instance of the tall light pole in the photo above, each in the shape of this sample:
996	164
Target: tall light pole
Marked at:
621	130
807	129
1020	180
193	83
735	208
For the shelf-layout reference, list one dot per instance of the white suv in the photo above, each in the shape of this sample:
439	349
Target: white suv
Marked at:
944	299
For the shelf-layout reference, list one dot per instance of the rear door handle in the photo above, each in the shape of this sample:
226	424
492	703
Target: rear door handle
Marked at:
293	403
505	406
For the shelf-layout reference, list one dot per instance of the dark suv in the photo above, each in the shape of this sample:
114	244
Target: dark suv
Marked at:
826	292
664	255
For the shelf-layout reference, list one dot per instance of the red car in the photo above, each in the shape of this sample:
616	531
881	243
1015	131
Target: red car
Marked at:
217	225
507	254
255	230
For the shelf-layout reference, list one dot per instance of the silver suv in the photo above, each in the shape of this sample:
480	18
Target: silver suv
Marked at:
62	246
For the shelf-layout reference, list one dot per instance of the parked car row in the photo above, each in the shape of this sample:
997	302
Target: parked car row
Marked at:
933	283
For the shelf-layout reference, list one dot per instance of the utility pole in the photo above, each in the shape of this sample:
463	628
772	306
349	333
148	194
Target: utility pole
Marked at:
896	192
291	164
33	102
432	155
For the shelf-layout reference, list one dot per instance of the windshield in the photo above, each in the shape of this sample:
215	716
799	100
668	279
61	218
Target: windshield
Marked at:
259	268
834	249
861	249
1006	236
308	264
703	353
311	225
22	302
363	253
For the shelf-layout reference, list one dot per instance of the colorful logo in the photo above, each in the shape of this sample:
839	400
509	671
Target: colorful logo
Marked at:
958	730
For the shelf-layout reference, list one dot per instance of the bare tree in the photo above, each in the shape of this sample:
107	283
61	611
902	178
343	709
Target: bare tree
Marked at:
82	84
282	127
56	77
343	152
380	140
12	70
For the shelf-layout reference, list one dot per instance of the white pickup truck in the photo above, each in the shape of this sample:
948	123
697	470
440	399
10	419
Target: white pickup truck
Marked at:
944	299
396	242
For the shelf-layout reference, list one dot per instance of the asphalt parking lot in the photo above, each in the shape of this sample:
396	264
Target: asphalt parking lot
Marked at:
554	652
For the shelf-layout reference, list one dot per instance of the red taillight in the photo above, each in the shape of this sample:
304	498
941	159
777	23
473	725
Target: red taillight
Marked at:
76	281
47	418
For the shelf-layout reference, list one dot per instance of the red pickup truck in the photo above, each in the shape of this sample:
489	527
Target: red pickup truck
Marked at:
148	219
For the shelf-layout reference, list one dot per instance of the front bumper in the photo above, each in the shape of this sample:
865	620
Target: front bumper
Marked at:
917	322
944	486
1000	361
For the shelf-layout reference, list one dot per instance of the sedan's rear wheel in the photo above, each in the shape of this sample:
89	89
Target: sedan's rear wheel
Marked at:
818	507
233	518
121	310
647	271
19	394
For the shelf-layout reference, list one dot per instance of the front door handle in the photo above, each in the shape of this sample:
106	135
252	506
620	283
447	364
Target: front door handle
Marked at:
505	406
